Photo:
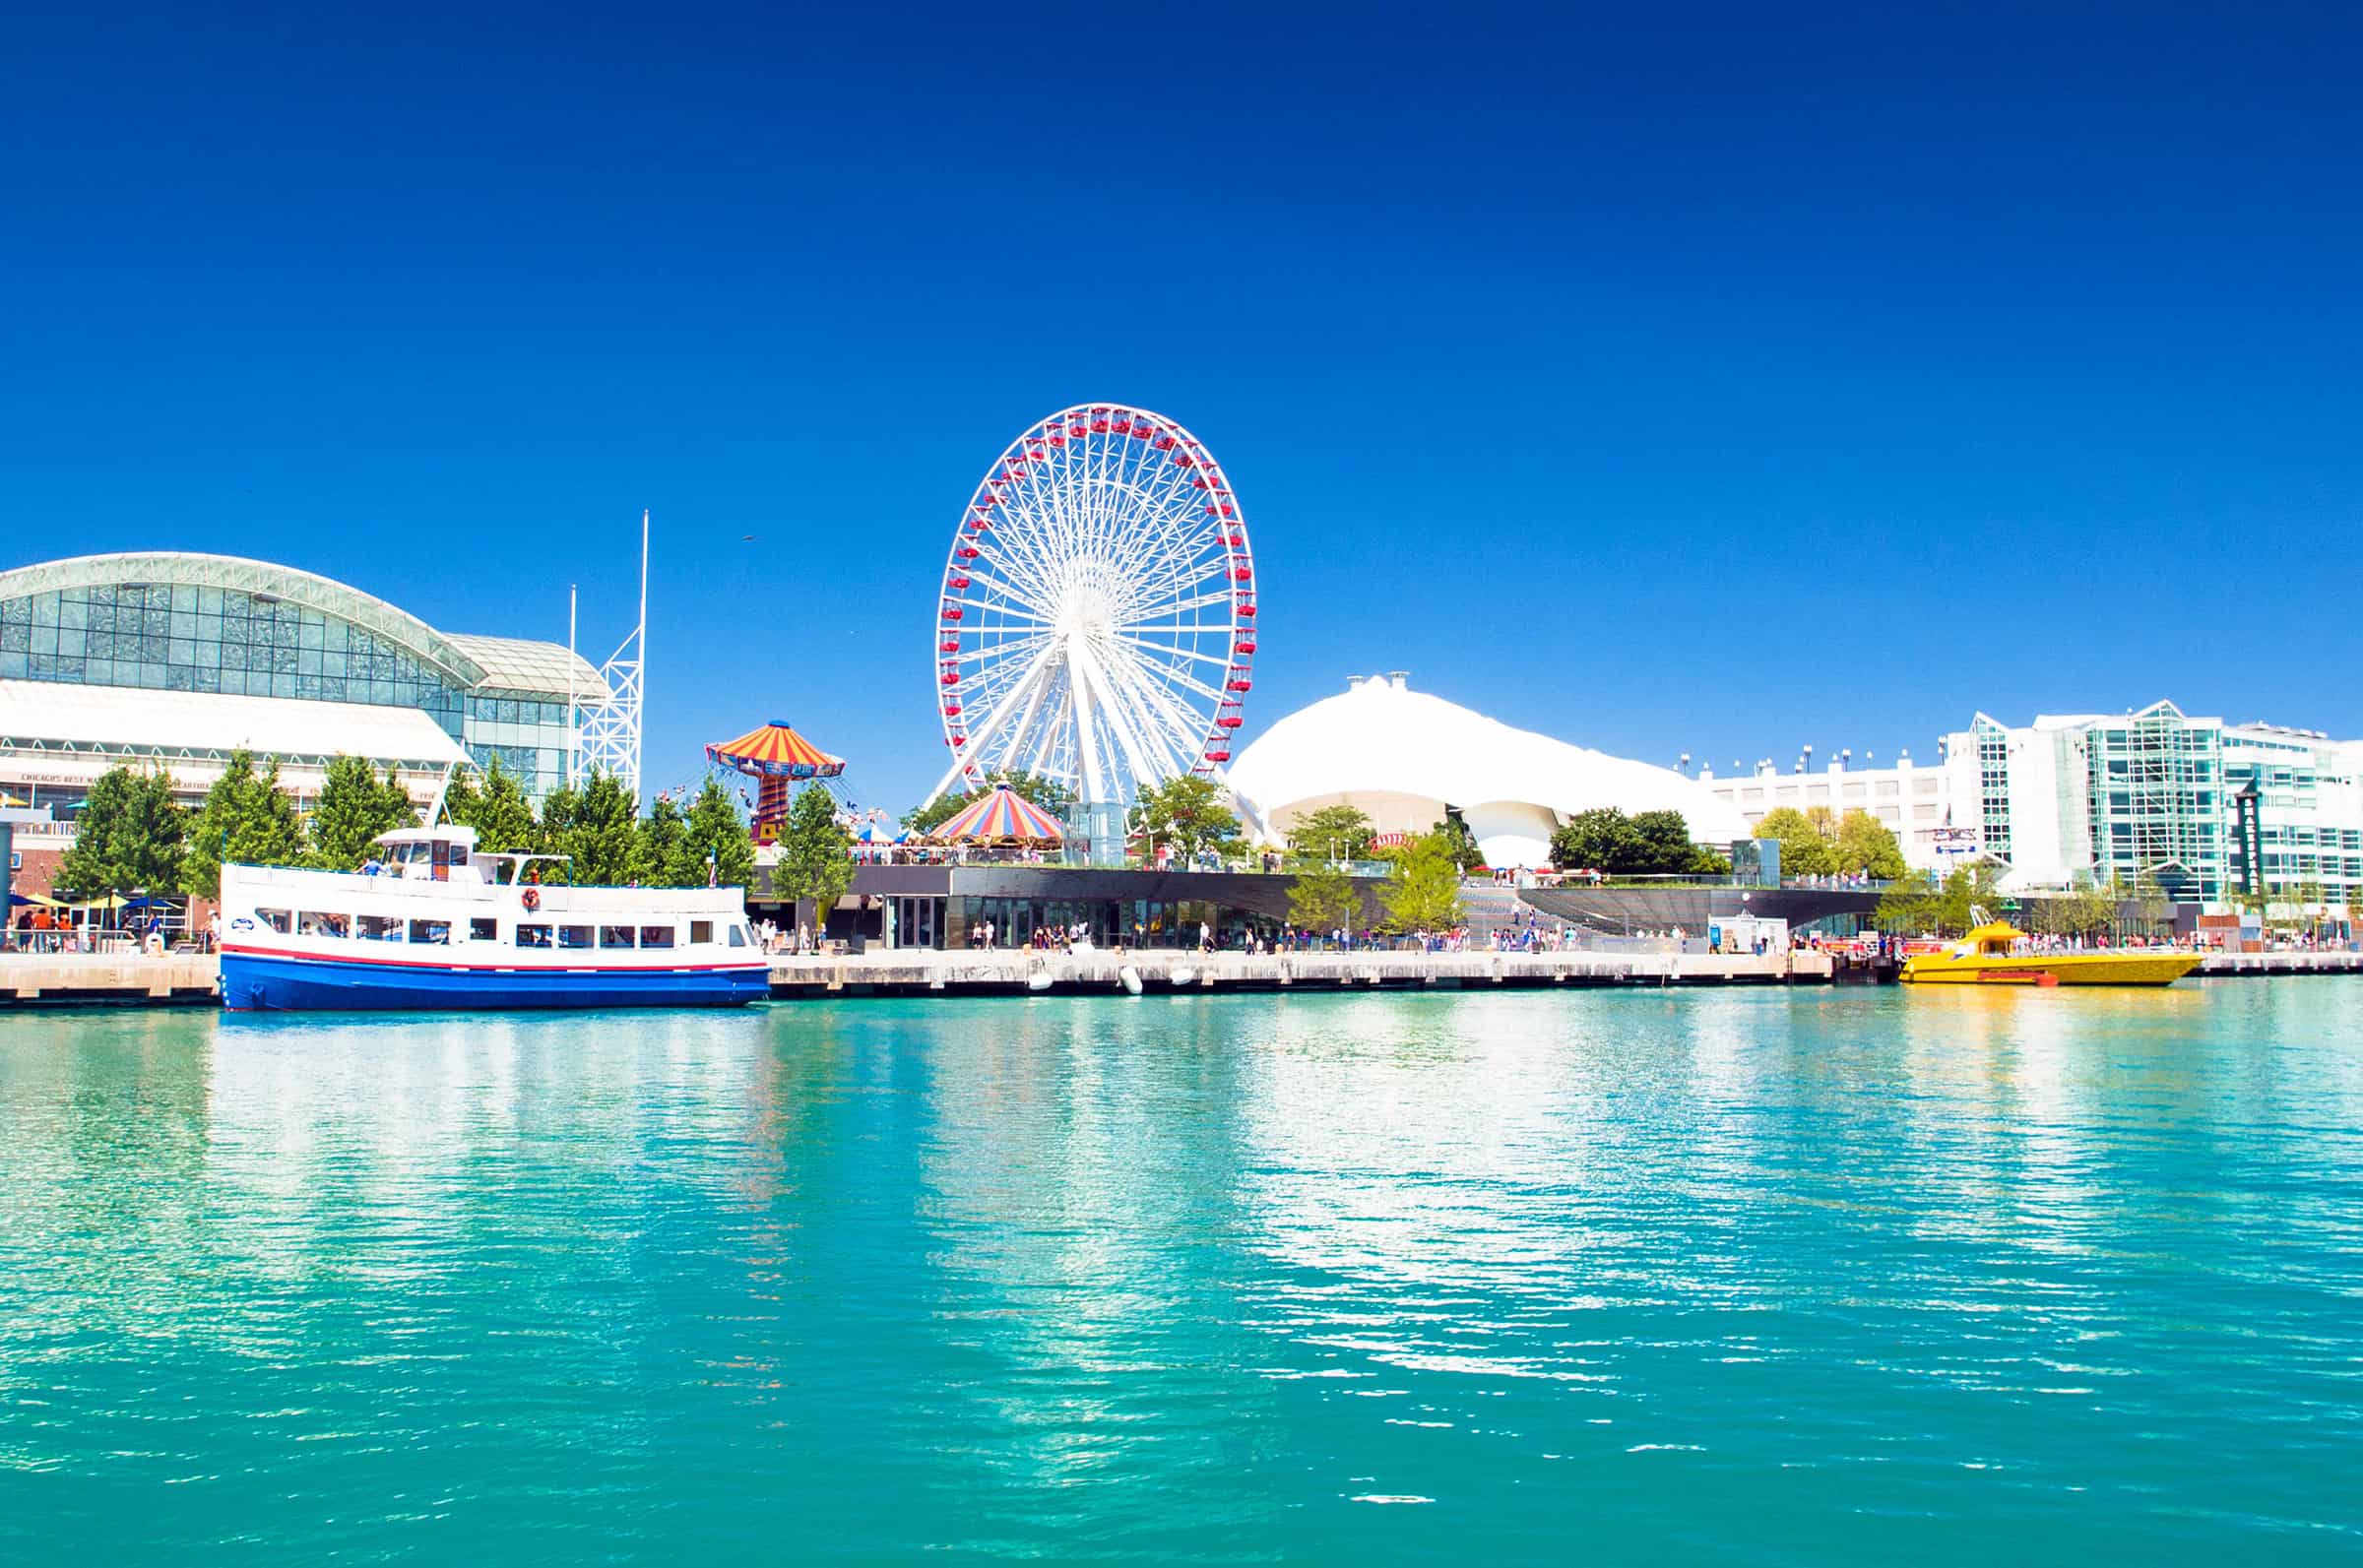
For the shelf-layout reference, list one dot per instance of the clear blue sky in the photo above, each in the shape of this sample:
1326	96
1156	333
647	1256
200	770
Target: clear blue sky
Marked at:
1718	381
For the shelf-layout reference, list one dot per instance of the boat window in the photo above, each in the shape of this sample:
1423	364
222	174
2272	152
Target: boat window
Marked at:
430	931
614	936
378	927
277	920
483	929
738	936
533	936
312	923
701	932
656	936
574	936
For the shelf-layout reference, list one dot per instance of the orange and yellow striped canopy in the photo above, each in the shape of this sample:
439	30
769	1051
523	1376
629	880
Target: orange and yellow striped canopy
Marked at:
1002	817
775	751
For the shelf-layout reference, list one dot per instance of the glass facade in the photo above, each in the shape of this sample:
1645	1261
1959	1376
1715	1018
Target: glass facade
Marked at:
2156	793
175	636
2298	850
245	641
1994	787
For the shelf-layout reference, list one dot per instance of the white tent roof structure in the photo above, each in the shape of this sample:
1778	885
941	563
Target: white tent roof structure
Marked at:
133	720
1392	751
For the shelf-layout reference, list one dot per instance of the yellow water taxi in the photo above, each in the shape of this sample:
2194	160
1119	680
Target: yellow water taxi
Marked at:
1985	958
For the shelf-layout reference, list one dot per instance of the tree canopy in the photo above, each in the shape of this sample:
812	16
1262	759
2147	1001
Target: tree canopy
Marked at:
245	819
353	807
1465	853
1423	895
497	809
1864	845
598	833
1189	813
1919	902
131	834
663	847
817	854
1332	832
1804	850
714	840
1323	899
1647	844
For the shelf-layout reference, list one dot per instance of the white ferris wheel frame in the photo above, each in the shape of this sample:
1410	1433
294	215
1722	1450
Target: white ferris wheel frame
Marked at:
1097	614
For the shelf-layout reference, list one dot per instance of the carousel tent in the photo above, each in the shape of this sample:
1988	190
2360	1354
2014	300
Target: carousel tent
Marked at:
1003	817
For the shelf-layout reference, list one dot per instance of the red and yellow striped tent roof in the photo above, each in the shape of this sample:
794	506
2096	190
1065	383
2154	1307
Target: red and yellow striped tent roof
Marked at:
775	751
1002	817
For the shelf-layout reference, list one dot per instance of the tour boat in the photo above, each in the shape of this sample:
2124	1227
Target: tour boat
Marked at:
1985	958
436	923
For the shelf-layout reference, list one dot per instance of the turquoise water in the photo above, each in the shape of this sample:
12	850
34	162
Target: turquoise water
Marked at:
1606	1276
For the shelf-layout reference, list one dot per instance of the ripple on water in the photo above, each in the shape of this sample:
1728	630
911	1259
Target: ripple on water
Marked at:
1249	1279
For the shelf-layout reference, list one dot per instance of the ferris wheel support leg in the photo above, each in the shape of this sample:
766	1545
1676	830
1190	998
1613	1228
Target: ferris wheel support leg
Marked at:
1135	695
977	737
1112	710
1087	740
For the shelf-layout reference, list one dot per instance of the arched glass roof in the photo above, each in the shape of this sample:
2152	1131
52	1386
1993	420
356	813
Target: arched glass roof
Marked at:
323	594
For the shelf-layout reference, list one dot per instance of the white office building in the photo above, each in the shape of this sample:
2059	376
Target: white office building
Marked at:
2153	793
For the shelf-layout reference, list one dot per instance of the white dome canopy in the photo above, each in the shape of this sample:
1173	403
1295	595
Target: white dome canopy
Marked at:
1401	756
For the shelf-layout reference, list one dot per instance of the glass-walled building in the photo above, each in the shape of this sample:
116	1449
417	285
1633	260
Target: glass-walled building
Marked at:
2134	796
181	659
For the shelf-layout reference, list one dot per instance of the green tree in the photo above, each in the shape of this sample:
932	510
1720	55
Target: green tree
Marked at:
1804	850
1603	839
2089	910
1424	893
246	819
1963	893
556	819
1188	812
1333	833
1666	847
353	807
1865	847
2150	905
1907	908
131	834
1648	843
1046	793
1465	852
1321	900
817	854
497	809
715	840
600	838
664	847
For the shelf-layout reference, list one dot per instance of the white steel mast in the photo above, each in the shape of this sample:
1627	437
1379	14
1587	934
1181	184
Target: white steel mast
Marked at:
611	731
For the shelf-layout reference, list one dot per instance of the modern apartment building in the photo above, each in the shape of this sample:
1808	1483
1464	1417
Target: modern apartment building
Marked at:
2153	793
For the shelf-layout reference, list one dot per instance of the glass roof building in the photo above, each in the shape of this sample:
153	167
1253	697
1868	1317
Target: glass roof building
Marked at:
181	659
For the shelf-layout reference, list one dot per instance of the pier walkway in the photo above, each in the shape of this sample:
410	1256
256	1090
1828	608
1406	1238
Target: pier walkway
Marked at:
1166	971
186	979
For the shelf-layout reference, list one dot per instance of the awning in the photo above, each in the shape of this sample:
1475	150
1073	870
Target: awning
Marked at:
135	720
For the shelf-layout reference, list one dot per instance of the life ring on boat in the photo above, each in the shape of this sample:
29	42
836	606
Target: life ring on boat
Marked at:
531	900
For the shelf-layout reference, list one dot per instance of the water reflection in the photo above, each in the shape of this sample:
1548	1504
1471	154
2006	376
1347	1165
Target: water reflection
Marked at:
1219	1278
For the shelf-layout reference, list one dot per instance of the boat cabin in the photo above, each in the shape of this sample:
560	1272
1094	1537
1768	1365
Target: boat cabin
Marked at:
448	854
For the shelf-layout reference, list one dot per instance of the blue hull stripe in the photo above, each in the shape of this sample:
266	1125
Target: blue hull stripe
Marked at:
250	982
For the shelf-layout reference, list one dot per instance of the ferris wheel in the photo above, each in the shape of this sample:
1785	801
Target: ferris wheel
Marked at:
1097	619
